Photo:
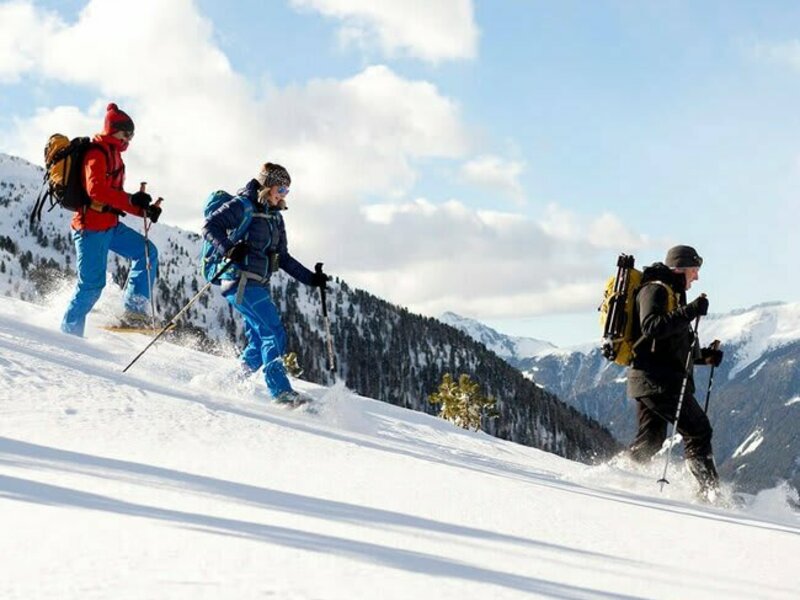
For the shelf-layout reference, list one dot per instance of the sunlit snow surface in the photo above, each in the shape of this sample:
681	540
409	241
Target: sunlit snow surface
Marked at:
177	481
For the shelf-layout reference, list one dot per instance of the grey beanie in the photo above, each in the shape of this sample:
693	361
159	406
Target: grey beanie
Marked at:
272	174
683	256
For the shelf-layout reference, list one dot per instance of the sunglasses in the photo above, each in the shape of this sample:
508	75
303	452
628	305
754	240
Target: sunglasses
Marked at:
283	190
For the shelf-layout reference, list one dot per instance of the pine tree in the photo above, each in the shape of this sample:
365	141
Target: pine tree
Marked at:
292	365
462	403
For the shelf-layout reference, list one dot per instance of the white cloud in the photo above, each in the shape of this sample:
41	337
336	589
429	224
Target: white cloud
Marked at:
20	51
432	257
492	172
780	52
200	126
430	31
361	135
608	231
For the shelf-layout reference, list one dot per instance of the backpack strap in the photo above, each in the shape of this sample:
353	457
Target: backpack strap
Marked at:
240	233
44	194
672	303
94	204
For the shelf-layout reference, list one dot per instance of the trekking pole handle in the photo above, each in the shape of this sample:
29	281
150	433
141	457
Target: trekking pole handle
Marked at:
714	346
328	336
322	291
142	186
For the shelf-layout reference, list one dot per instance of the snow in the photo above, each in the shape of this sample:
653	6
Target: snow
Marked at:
505	346
753	441
19	169
795	400
174	481
759	329
757	369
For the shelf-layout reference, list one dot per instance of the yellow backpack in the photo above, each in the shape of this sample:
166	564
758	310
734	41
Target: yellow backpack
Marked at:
616	311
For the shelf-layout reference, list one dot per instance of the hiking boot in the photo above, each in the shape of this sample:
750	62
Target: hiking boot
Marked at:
292	399
705	471
136	320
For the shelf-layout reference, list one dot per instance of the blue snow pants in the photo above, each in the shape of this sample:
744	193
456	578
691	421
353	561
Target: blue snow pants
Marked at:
92	249
266	336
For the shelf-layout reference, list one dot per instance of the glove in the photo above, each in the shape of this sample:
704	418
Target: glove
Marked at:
711	356
320	279
238	252
141	199
153	212
697	308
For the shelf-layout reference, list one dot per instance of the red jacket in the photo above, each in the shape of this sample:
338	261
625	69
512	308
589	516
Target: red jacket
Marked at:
104	186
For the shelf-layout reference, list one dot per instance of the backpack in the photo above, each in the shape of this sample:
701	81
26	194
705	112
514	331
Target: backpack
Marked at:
63	182
210	258
616	311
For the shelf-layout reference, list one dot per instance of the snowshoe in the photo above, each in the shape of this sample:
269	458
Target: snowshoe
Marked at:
136	320
292	399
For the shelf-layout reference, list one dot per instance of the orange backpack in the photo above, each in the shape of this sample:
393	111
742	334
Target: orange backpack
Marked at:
63	177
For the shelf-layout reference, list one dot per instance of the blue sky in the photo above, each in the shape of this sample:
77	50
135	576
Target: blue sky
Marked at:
489	158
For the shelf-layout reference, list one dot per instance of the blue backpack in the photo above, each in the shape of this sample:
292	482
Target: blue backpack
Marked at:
210	259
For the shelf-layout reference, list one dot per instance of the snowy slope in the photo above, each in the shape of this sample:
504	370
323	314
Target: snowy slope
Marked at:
173	481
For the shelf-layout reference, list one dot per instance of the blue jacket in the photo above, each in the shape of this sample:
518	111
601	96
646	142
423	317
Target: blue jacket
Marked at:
266	238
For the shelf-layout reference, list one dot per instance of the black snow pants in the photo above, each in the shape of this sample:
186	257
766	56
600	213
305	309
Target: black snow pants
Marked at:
655	412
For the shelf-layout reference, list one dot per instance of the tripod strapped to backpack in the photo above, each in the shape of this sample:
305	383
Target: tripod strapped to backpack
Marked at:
617	325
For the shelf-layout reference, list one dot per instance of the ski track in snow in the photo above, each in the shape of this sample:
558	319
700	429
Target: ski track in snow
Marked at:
175	481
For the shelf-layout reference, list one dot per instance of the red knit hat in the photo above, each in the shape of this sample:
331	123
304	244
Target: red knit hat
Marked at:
116	120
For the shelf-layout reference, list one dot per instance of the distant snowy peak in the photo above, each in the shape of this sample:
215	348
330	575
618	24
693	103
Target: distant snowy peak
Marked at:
754	331
19	170
505	346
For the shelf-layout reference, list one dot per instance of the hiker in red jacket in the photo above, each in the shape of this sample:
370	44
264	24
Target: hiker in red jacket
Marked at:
96	228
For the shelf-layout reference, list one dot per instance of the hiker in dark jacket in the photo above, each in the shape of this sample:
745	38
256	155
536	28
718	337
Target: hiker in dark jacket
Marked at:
663	324
262	251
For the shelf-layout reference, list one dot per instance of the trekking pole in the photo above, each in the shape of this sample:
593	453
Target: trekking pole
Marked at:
146	226
714	346
689	357
329	337
171	322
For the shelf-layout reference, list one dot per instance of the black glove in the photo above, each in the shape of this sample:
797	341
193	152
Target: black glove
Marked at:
320	279
141	199
238	252
153	212
711	356
697	308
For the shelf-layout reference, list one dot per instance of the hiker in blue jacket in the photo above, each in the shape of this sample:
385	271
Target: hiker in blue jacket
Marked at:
261	251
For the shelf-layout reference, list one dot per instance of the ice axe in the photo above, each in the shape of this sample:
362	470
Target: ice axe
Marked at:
329	337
